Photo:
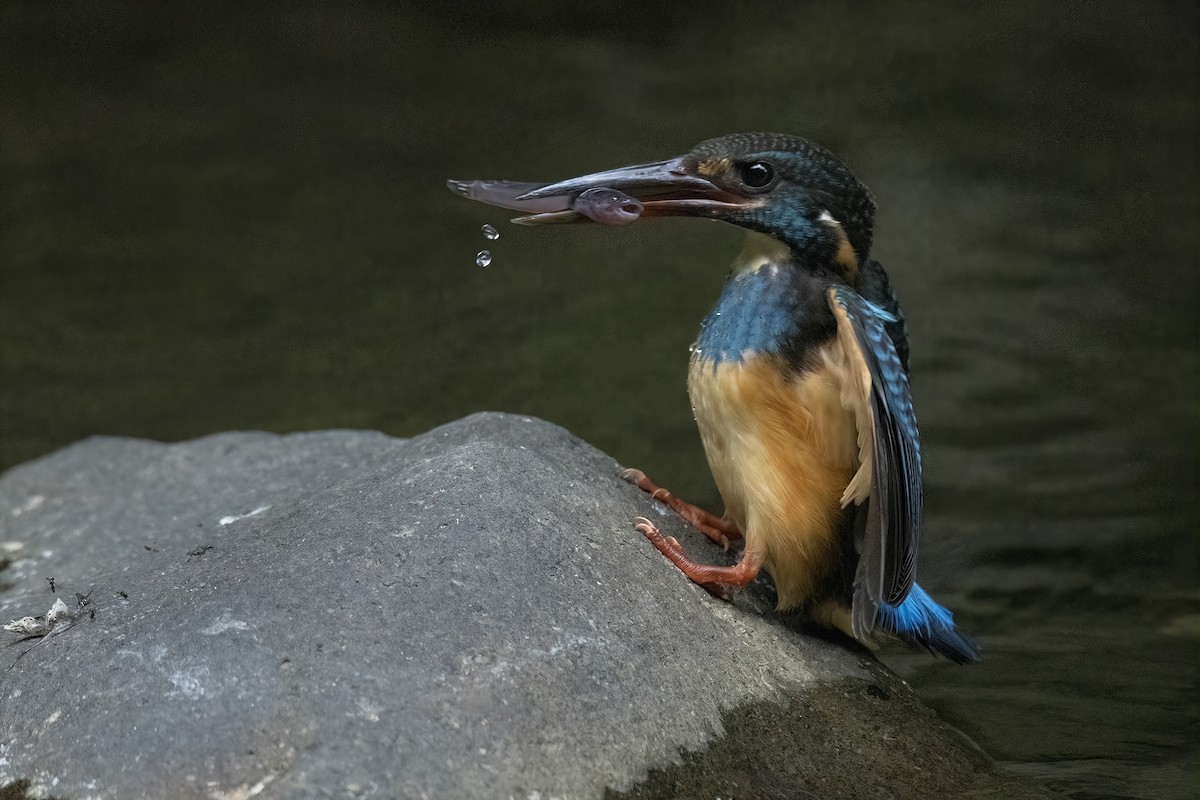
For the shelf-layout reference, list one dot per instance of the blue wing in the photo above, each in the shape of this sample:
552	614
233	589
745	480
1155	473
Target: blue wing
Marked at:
875	286
888	541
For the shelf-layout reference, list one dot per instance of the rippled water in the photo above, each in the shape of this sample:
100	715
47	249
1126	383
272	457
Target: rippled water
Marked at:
234	216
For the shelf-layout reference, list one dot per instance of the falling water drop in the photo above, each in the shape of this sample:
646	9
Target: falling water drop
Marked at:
484	258
490	233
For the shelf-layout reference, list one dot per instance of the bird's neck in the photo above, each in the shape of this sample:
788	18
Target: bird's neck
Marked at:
760	250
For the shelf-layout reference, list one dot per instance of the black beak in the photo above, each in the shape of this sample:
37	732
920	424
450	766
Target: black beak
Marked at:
664	188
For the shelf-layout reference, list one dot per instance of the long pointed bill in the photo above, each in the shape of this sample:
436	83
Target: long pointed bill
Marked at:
612	197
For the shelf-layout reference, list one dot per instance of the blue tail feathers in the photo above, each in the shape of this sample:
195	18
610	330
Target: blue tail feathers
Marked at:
920	620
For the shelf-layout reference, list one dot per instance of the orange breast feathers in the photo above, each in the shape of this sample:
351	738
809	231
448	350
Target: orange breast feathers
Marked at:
782	449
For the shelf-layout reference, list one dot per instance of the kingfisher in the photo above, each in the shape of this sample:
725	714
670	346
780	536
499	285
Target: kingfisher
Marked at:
798	381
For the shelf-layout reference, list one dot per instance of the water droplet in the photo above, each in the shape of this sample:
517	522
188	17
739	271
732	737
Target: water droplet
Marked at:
490	233
484	258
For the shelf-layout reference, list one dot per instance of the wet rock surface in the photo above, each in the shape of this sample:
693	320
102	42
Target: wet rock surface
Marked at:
467	613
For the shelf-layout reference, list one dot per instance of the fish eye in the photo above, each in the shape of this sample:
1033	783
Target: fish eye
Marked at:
757	174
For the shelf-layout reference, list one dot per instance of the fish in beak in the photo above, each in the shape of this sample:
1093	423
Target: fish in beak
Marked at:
613	197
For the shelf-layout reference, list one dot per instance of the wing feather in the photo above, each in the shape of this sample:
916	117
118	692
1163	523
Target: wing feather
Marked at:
889	475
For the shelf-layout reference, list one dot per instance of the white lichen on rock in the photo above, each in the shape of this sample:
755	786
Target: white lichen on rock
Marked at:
58	615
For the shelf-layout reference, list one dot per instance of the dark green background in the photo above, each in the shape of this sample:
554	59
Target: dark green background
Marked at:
221	215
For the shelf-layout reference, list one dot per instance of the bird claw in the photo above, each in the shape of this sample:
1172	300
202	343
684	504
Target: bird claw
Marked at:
639	479
634	476
717	581
667	545
720	530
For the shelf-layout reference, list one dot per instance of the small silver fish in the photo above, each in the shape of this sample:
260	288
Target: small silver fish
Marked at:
607	206
599	204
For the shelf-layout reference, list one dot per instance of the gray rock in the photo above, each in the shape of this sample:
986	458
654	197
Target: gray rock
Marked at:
465	614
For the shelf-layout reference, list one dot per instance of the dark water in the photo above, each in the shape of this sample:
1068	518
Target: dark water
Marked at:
233	216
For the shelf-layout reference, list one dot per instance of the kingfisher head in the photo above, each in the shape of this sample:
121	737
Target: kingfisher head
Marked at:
783	186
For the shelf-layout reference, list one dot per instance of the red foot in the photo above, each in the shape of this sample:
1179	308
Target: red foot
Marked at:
720	530
717	580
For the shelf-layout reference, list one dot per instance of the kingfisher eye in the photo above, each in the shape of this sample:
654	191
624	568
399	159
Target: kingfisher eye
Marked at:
757	174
